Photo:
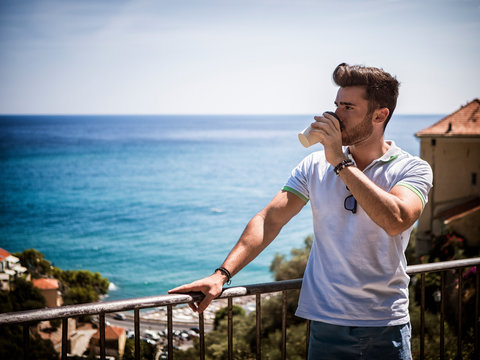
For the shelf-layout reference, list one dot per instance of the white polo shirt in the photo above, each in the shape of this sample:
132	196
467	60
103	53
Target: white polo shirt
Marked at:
356	272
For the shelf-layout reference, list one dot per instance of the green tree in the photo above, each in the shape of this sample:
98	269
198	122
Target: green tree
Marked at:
296	340
294	268
11	345
147	351
5	303
81	286
35	263
23	296
217	341
223	313
77	286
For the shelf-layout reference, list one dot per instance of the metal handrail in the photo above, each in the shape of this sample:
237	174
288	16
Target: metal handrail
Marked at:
442	266
141	303
101	308
176	299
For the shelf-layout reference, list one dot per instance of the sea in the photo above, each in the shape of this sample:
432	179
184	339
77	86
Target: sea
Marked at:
152	202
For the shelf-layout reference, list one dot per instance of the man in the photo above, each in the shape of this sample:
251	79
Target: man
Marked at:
365	199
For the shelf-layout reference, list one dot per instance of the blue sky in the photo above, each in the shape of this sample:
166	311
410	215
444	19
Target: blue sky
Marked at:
230	57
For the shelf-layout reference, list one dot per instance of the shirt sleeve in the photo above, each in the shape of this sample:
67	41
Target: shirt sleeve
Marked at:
297	183
418	177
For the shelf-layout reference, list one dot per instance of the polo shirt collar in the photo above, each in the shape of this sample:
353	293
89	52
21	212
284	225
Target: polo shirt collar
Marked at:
392	153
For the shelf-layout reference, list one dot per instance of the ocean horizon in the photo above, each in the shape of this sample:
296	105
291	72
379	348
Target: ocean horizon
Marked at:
153	201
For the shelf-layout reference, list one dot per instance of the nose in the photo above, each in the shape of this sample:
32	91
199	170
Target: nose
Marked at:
341	114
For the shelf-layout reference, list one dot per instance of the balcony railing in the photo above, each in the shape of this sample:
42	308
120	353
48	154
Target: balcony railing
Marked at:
26	318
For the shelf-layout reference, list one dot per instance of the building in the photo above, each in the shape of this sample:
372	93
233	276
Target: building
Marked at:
115	339
4	282
452	148
50	290
79	341
48	331
10	269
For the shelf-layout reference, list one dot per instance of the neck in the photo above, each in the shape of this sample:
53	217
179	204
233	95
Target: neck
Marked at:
367	151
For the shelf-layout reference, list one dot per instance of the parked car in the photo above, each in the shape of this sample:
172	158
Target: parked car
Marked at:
150	334
119	316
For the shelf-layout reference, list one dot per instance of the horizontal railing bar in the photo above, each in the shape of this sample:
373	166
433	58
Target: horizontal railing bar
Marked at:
94	308
139	303
441	266
264	288
176	299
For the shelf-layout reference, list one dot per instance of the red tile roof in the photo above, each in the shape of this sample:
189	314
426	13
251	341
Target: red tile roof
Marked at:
111	332
465	122
3	254
46	284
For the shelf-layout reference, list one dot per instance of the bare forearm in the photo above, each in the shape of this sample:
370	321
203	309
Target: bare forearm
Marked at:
387	210
257	235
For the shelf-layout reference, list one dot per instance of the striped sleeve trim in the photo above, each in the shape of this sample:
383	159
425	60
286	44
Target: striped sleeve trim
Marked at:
419	194
293	191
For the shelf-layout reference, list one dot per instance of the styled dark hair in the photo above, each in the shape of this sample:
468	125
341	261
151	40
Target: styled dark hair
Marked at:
381	87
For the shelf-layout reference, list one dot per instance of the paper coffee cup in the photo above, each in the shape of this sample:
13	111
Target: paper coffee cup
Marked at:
304	137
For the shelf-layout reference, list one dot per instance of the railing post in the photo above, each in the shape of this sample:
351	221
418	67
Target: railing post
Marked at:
136	325
258	314
64	338
201	326
26	341
307	341
284	325
101	323
170	331
477	297
442	315
422	317
230	329
460	289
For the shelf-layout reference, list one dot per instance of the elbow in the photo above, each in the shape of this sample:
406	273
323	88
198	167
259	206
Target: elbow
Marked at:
393	231
399	216
396	225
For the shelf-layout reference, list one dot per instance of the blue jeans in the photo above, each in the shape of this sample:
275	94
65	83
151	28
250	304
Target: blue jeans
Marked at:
350	342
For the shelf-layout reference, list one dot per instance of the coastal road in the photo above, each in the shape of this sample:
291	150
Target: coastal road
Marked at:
128	323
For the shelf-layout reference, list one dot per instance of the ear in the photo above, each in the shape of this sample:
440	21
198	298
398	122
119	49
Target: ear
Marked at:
380	115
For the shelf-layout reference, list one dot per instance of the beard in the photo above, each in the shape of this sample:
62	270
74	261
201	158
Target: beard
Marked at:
359	132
